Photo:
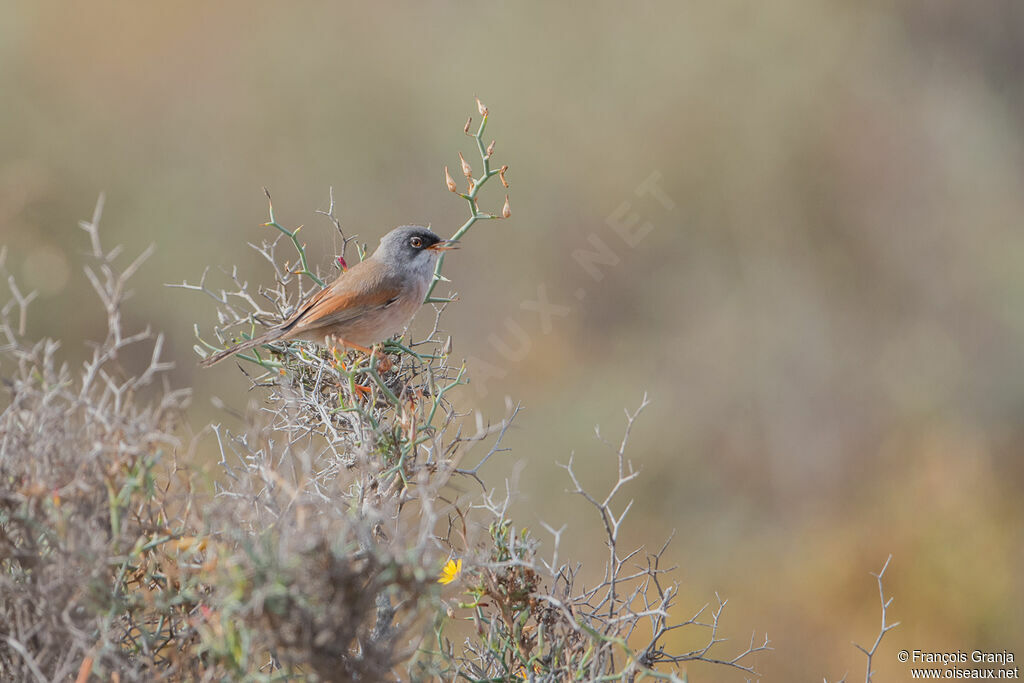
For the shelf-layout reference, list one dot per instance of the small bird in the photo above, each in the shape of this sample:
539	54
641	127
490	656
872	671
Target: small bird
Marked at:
366	304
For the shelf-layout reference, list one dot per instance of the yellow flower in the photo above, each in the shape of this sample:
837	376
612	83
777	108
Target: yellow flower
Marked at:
450	571
524	674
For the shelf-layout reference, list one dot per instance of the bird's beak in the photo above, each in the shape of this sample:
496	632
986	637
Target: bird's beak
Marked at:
447	245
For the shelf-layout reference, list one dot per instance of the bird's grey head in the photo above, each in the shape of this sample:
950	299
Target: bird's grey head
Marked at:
410	245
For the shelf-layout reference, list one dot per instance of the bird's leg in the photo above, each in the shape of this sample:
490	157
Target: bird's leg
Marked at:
336	341
383	363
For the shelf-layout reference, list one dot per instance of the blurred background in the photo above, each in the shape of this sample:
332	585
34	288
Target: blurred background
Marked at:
827	310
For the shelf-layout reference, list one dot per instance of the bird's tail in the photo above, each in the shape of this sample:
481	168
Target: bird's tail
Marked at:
264	338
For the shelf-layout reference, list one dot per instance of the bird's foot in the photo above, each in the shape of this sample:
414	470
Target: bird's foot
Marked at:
384	363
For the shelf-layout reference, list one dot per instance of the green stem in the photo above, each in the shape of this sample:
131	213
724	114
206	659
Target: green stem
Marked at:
293	236
474	211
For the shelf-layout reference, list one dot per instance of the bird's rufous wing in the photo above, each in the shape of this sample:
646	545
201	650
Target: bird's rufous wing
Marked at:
361	289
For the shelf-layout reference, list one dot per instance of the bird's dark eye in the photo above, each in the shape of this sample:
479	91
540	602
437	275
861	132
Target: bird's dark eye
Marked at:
416	242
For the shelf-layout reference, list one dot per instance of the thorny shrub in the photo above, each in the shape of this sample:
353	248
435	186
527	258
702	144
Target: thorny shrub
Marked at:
350	536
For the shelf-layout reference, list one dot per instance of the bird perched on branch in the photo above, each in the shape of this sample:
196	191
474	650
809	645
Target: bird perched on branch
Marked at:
366	304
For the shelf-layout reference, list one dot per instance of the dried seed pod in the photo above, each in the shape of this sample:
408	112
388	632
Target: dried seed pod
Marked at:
481	107
468	121
506	210
490	149
501	174
466	170
449	181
